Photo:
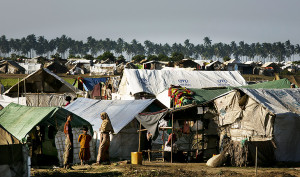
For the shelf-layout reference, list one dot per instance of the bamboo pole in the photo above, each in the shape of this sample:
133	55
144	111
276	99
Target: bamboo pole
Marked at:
256	161
38	99
163	146
24	88
140	138
197	136
172	138
18	89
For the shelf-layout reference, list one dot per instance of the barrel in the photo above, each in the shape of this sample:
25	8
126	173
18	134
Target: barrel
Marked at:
136	158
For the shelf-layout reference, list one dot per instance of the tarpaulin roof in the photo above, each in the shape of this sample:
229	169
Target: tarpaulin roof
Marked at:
52	83
156	81
278	101
19	120
89	83
277	84
205	95
120	112
150	121
7	138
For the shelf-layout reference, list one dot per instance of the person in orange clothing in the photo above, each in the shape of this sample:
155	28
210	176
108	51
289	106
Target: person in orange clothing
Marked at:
84	140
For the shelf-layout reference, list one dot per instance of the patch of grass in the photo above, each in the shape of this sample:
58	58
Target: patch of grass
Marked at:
69	80
8	82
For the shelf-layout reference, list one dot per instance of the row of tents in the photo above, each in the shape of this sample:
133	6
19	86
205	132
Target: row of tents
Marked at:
265	115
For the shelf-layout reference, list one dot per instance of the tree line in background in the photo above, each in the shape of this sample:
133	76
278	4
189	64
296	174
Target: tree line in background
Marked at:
66	47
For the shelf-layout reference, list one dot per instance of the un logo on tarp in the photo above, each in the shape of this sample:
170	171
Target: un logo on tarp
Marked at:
222	81
183	81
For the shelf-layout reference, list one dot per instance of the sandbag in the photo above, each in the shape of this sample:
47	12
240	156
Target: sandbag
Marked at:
217	160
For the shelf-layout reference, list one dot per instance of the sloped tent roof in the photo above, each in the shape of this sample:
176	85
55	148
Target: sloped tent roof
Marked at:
285	104
14	64
268	64
186	63
205	95
120	112
19	120
212	63
157	81
150	120
293	79
7	138
268	113
57	67
89	83
277	101
51	83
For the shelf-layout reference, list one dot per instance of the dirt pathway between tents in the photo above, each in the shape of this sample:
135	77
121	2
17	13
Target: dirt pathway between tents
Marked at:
163	169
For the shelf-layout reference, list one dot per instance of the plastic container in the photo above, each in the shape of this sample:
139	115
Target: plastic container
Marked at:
136	158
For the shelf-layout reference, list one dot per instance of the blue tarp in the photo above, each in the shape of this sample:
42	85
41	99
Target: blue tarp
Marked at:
89	83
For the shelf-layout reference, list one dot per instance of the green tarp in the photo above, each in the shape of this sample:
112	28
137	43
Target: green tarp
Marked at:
277	84
19	120
205	95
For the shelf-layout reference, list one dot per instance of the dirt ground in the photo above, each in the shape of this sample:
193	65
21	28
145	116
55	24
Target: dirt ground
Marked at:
163	169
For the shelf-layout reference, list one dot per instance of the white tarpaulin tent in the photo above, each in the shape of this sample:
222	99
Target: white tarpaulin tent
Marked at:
157	82
6	100
122	115
262	115
103	69
30	67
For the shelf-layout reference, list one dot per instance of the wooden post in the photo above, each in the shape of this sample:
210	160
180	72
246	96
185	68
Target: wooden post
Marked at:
197	136
24	88
140	138
38	100
256	161
172	138
18	89
163	146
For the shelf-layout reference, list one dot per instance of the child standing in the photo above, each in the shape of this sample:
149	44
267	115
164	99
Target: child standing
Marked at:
84	140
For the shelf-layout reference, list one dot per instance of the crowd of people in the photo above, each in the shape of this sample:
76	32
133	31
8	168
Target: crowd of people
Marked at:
84	140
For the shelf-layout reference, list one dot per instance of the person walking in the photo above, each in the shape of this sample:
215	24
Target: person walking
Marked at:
105	129
68	154
84	140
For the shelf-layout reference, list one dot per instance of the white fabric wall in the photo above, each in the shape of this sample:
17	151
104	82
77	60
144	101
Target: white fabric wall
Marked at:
123	143
60	146
30	67
6	100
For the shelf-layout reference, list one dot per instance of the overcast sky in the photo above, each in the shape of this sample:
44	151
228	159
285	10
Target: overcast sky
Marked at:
156	20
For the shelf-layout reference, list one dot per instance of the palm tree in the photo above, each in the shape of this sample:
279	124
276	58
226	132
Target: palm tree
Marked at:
4	46
42	45
92	44
120	46
31	42
25	47
207	41
149	47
